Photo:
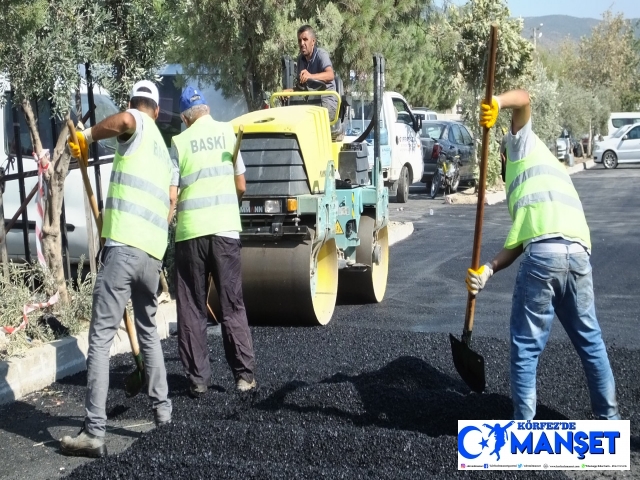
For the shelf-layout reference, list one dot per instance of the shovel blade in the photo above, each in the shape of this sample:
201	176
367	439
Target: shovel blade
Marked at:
134	382
469	364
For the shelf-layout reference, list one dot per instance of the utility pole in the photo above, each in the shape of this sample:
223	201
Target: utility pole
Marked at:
536	33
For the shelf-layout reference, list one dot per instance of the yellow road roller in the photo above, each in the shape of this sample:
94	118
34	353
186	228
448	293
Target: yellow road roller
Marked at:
314	218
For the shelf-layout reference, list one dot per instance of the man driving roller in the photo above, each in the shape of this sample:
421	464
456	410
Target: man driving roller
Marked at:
314	63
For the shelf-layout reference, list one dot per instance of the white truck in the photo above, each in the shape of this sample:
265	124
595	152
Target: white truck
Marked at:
400	149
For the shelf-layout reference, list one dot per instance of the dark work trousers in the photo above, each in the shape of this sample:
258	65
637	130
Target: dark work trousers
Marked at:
195	259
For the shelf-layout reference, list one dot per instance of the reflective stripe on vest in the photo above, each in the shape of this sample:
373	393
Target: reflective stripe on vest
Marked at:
142	184
207	172
542	199
137	204
207	203
204	202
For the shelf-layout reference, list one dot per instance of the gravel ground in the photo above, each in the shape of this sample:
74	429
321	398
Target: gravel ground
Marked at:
361	403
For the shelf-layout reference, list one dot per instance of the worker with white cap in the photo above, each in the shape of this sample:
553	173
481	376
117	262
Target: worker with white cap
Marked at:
135	228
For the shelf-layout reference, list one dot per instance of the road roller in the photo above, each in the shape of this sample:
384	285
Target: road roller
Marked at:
314	215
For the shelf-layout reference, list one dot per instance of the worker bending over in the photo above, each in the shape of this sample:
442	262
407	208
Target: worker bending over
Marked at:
550	229
135	229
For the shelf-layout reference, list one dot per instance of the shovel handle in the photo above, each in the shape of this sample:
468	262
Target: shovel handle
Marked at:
477	237
83	162
236	149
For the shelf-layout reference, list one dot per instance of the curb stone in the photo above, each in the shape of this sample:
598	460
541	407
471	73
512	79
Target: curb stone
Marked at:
494	198
39	367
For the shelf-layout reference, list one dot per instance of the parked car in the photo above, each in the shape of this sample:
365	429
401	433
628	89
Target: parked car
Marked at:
621	147
446	138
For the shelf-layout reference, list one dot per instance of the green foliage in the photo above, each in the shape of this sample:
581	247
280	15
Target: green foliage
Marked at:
40	51
472	22
137	37
28	284
613	56
237	46
545	111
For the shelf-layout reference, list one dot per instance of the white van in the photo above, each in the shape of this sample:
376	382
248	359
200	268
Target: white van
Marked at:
620	119
172	82
74	196
425	114
400	149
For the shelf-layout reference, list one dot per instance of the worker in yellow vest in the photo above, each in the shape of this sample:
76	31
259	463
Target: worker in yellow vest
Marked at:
208	242
135	228
549	228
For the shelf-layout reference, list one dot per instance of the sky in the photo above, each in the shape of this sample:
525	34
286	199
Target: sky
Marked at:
575	8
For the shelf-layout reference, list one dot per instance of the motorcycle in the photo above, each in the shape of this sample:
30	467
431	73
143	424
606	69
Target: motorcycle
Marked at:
447	175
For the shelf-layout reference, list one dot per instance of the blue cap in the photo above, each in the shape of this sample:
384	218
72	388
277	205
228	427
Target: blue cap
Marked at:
191	97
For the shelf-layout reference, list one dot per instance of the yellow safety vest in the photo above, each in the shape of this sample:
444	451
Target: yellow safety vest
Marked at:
137	203
208	203
542	199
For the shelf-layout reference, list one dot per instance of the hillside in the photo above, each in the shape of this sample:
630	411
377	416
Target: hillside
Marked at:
558	27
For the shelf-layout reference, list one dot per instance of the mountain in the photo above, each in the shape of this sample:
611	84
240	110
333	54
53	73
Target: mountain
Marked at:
555	28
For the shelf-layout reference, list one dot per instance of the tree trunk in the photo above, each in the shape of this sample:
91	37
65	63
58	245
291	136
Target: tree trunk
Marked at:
54	179
3	234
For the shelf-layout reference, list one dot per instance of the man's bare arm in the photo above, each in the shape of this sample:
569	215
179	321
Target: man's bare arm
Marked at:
113	126
327	76
520	103
241	185
505	258
173	199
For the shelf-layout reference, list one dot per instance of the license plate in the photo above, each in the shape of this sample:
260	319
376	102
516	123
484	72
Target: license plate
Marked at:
252	206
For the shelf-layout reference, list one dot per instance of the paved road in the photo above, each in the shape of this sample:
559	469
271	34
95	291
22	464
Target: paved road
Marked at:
372	347
426	282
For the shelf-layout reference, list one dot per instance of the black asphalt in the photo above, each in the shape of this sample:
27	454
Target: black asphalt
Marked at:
374	394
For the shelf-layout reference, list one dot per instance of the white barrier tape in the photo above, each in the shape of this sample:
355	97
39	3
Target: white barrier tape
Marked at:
43	165
27	309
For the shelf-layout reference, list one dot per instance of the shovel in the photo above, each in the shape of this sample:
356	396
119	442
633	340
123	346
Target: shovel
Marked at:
468	363
134	382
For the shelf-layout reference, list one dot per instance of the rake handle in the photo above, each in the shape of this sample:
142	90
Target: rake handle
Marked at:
477	237
83	162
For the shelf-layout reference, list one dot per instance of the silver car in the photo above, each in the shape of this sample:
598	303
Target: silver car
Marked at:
621	147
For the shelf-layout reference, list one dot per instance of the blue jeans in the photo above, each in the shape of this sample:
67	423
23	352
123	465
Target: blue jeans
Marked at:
560	284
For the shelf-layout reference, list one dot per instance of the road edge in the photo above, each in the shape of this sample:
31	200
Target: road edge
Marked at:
41	366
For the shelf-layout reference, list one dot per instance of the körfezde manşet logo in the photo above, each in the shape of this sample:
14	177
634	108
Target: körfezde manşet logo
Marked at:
531	445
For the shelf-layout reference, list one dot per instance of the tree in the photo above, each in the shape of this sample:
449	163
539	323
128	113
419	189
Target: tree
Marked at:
611	54
42	45
238	45
138	34
471	25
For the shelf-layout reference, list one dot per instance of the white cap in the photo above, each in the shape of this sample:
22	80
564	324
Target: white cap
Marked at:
146	84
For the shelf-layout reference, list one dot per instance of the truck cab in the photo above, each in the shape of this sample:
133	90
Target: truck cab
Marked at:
400	146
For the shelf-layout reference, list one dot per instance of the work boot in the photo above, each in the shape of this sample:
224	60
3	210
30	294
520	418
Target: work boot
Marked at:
160	420
244	386
84	445
197	390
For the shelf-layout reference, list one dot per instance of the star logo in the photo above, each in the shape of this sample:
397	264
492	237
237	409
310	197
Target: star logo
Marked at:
484	443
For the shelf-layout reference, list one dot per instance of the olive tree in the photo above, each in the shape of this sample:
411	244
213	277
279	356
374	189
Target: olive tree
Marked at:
42	45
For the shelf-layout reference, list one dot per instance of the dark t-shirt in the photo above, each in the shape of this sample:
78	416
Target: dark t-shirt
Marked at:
319	61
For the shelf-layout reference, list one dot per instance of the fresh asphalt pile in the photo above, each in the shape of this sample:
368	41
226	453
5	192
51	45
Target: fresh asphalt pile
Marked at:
339	402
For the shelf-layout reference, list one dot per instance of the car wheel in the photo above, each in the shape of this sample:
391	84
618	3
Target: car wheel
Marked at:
402	195
610	159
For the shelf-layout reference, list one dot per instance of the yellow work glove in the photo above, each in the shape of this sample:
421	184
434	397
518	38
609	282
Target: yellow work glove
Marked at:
489	112
80	150
476	279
